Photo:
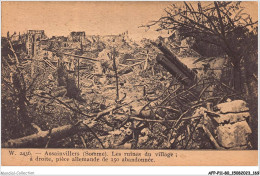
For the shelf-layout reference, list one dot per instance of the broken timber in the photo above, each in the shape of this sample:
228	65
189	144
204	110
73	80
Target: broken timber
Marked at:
40	138
73	55
78	56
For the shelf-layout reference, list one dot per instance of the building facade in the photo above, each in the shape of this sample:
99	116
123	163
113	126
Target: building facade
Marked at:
77	36
33	42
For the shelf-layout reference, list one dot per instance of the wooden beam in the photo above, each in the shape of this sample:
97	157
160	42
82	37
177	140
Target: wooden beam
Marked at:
73	55
78	56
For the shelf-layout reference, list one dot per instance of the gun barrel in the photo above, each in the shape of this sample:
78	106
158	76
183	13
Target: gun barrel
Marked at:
174	65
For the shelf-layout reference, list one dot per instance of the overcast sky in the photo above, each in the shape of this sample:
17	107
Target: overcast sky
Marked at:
102	18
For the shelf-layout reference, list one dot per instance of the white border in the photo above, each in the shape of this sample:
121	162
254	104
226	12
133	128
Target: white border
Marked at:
127	170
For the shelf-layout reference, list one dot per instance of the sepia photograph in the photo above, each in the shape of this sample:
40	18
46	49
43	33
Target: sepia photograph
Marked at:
129	75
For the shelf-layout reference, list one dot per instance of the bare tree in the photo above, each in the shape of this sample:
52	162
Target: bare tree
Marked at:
222	24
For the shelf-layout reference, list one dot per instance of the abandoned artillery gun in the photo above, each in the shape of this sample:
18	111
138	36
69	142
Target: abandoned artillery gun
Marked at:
225	124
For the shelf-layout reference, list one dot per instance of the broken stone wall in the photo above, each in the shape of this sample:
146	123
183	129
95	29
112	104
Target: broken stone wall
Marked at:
231	127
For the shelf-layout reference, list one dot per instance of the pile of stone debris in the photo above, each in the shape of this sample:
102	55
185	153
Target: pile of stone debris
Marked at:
228	123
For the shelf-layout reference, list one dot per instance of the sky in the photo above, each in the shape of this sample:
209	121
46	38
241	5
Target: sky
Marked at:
95	18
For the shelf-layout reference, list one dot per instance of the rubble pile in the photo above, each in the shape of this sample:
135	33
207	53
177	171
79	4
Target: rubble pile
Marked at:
233	130
108	91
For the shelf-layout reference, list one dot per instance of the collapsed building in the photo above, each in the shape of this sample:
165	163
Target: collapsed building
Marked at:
33	41
77	36
225	128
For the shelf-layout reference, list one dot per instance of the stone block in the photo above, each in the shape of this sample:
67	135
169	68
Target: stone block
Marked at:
233	106
232	117
233	135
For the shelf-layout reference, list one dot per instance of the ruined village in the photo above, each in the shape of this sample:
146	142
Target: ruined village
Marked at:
109	91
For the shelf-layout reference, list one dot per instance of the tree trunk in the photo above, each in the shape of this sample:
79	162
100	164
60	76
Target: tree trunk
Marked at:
251	97
40	138
237	78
